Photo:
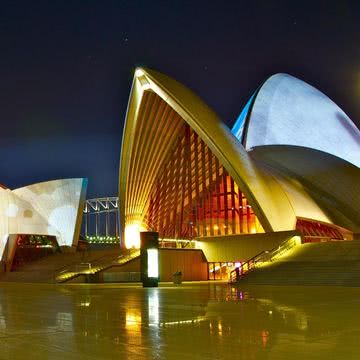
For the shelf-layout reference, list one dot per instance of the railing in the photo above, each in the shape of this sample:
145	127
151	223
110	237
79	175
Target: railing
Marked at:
316	239
247	266
97	265
262	257
283	247
177	243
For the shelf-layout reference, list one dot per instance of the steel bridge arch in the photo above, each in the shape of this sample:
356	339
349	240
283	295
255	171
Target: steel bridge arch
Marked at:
97	224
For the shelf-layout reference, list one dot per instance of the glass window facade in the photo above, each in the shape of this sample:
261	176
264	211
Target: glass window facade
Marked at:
194	196
313	231
220	270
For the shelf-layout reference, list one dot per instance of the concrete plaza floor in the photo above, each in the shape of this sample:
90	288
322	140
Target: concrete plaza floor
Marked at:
191	321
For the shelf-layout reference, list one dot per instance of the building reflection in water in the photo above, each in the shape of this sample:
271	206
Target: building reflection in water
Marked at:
133	323
211	319
64	321
153	306
133	320
2	319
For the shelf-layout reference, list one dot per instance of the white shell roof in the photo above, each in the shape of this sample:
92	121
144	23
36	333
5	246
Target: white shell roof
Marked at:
288	111
277	192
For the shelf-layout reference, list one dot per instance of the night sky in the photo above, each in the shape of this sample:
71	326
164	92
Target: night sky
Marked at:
66	69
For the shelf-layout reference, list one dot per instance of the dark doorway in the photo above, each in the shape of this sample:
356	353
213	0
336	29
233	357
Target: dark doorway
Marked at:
33	247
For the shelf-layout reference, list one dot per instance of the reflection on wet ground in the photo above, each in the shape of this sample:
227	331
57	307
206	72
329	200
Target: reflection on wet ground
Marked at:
193	321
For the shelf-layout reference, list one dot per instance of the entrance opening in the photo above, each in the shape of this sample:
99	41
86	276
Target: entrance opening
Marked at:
221	270
33	247
314	231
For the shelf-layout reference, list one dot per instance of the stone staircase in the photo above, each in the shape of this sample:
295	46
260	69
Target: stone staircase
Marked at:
92	268
45	270
27	277
328	263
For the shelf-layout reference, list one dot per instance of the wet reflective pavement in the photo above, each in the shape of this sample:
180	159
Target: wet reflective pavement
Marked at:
192	321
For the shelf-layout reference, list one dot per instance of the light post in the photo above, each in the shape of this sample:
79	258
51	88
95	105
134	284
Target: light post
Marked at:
149	258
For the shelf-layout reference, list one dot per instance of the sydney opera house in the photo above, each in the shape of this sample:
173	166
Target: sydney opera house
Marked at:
44	216
289	167
286	173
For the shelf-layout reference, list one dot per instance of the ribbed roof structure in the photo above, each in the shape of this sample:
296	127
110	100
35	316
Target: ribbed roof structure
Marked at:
278	182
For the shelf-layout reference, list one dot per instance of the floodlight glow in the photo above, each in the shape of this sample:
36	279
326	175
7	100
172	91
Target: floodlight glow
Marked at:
132	236
139	72
297	239
153	263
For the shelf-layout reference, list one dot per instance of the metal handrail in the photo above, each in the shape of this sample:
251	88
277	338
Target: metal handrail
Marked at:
69	267
321	238
263	256
97	265
246	266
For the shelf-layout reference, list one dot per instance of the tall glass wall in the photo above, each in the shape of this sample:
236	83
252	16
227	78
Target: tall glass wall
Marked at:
194	196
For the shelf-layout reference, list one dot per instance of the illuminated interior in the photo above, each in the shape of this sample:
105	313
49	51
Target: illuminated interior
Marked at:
314	231
221	270
194	196
32	247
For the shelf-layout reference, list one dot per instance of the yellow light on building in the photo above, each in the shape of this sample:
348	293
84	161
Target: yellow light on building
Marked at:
146	86
139	72
132	235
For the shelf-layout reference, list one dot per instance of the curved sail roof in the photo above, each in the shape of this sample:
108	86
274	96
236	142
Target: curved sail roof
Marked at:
46	208
157	106
320	186
282	183
288	111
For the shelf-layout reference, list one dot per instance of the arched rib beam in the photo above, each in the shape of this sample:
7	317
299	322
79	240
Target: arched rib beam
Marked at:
269	201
